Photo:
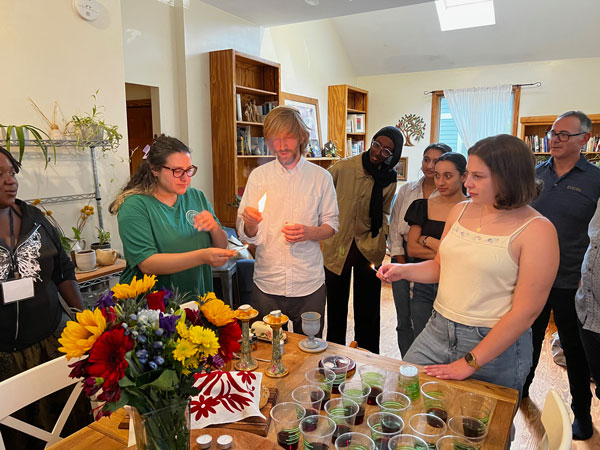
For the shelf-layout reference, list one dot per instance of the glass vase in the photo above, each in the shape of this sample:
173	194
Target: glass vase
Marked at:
167	428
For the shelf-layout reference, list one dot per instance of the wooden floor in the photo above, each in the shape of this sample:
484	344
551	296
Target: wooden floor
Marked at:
549	375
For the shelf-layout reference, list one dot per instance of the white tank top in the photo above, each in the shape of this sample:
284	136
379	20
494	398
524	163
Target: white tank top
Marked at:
477	276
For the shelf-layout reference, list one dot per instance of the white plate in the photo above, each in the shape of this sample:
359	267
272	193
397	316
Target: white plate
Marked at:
318	349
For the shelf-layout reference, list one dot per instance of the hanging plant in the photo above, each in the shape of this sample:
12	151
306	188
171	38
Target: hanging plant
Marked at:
20	134
412	127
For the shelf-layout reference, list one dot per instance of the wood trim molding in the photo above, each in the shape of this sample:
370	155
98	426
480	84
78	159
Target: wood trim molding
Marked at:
434	128
516	103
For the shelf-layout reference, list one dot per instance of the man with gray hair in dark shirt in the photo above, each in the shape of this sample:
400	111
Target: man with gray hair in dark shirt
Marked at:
571	191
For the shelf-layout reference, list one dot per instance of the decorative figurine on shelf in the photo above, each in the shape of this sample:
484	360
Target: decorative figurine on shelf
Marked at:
255	114
248	112
245	314
413	126
329	150
276	320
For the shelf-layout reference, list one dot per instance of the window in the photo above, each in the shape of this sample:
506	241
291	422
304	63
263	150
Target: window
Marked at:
443	128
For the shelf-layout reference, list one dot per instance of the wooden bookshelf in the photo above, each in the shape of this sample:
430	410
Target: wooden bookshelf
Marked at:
345	100
540	125
253	78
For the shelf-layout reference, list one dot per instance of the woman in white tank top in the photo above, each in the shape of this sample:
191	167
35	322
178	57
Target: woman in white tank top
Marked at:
495	266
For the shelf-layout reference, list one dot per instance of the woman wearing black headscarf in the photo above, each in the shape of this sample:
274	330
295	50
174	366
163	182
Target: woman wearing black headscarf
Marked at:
365	185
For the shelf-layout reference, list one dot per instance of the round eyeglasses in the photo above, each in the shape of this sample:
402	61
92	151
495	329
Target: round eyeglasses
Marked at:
562	136
380	148
178	173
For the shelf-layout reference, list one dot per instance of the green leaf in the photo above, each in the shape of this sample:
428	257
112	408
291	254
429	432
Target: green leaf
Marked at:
167	381
21	139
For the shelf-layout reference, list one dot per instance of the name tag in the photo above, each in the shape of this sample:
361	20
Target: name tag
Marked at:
17	290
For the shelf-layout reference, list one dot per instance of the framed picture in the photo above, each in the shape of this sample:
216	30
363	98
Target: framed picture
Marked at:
402	169
360	123
309	110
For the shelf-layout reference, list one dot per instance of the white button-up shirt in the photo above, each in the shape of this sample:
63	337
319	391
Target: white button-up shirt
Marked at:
407	193
304	195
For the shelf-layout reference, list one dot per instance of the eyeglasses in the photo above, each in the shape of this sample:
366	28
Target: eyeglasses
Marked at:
178	173
380	148
562	136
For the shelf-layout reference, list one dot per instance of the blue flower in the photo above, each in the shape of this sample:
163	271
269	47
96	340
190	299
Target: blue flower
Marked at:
159	360
153	365
167	323
105	300
157	344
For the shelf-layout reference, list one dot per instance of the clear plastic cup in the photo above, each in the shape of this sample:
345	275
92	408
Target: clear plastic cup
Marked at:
407	442
343	412
354	441
317	431
438	398
476	405
451	442
340	366
310	397
323	378
428	427
470	428
358	391
375	377
383	427
286	417
394	402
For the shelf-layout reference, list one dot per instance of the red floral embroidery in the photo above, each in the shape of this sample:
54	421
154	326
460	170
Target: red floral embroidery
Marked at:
203	406
232	396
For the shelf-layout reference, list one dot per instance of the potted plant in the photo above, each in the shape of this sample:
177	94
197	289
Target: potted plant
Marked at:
91	127
103	239
20	134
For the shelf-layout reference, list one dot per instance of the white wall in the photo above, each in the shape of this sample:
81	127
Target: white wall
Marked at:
566	84
51	54
312	57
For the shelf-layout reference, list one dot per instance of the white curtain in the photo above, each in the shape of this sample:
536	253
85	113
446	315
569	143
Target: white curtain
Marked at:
480	112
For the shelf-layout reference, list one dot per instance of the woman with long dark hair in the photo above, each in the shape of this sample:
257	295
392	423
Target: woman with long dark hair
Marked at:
168	228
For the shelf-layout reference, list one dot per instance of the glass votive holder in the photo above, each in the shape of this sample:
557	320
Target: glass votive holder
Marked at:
339	365
476	405
437	398
428	427
343	412
317	431
323	378
310	397
455	443
394	402
407	442
354	441
468	427
358	391
286	417
375	377
384	426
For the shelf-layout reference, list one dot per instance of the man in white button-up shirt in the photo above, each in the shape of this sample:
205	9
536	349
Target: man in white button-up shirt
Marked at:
301	210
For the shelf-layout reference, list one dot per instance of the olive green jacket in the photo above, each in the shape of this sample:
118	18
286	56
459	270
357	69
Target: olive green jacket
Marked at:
353	187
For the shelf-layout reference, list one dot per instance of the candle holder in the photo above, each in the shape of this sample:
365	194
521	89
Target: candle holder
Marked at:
245	313
276	320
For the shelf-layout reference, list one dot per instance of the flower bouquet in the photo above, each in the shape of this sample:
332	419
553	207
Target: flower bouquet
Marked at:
142	348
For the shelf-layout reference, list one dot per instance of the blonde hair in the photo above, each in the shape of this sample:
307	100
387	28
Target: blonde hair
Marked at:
287	119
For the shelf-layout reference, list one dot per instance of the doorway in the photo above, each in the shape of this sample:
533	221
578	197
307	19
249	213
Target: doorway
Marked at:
143	120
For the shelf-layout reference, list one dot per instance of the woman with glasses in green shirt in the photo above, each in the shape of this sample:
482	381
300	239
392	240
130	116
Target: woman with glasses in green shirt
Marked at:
167	228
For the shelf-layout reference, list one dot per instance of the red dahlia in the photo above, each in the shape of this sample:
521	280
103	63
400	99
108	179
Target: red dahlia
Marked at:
229	336
107	357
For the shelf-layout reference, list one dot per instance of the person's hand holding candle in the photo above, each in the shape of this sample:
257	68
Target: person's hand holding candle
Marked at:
253	216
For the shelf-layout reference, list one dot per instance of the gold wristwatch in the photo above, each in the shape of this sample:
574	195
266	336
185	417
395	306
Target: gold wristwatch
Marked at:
472	361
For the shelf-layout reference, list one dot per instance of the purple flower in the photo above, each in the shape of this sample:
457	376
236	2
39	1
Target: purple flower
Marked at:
218	361
167	323
105	301
168	293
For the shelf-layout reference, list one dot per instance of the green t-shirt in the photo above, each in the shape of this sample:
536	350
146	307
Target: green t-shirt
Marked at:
147	226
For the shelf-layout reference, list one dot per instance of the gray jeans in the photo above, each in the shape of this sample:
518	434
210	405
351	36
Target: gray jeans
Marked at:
293	307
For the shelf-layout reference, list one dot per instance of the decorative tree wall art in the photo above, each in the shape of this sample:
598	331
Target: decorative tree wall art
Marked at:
412	127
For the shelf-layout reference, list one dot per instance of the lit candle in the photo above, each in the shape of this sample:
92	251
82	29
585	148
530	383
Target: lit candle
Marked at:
244	247
261	203
373	267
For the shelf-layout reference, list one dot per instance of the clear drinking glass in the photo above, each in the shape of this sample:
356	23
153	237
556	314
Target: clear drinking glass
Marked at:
455	443
476	405
354	441
437	398
407	442
384	426
428	427
310	397
394	402
375	377
317	432
323	378
358	391
286	417
468	427
343	412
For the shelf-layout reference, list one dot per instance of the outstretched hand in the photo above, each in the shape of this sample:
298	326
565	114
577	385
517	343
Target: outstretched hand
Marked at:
216	257
391	272
458	370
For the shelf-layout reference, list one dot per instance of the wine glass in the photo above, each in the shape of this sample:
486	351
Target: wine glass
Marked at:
311	324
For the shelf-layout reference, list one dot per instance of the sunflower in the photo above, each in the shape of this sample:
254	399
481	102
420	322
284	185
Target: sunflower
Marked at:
206	339
78	337
217	312
135	288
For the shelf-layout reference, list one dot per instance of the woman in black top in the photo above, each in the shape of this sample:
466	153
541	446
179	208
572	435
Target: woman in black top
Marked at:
427	218
29	328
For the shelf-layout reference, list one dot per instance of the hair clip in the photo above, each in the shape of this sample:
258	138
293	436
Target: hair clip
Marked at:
146	150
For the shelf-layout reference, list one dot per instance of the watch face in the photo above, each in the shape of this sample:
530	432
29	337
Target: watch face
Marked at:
469	358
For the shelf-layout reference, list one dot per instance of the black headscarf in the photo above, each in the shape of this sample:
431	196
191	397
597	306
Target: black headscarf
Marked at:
383	175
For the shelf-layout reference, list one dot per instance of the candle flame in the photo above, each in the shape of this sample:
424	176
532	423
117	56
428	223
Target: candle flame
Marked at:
261	203
373	267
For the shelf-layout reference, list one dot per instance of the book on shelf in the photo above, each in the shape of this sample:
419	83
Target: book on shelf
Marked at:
267	107
244	139
238	102
351	123
593	145
354	148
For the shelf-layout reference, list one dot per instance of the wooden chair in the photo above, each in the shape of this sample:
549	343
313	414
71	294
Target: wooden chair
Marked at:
557	423
34	384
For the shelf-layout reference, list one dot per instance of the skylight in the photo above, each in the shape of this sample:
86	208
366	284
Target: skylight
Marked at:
458	14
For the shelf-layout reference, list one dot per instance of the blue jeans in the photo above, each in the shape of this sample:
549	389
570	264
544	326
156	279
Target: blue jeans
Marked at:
406	336
422	305
444	341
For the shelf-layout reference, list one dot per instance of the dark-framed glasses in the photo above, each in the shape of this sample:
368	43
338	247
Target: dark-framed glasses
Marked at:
380	148
178	173
562	136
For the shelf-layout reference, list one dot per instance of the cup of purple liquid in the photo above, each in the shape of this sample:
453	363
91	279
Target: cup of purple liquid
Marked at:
354	441
339	365
310	397
358	391
383	427
323	378
317	432
428	427
375	377
407	442
437	398
468	427
286	417
343	411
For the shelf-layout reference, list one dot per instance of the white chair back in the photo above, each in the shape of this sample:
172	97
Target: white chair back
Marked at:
557	423
34	384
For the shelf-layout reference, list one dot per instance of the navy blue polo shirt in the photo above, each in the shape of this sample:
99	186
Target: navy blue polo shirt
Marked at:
569	202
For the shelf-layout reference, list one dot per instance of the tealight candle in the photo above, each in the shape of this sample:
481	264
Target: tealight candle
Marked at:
224	441
204	441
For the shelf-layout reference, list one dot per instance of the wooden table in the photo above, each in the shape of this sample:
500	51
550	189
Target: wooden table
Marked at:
101	271
104	434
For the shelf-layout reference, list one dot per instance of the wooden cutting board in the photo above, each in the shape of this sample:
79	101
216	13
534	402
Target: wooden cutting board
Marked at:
256	425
